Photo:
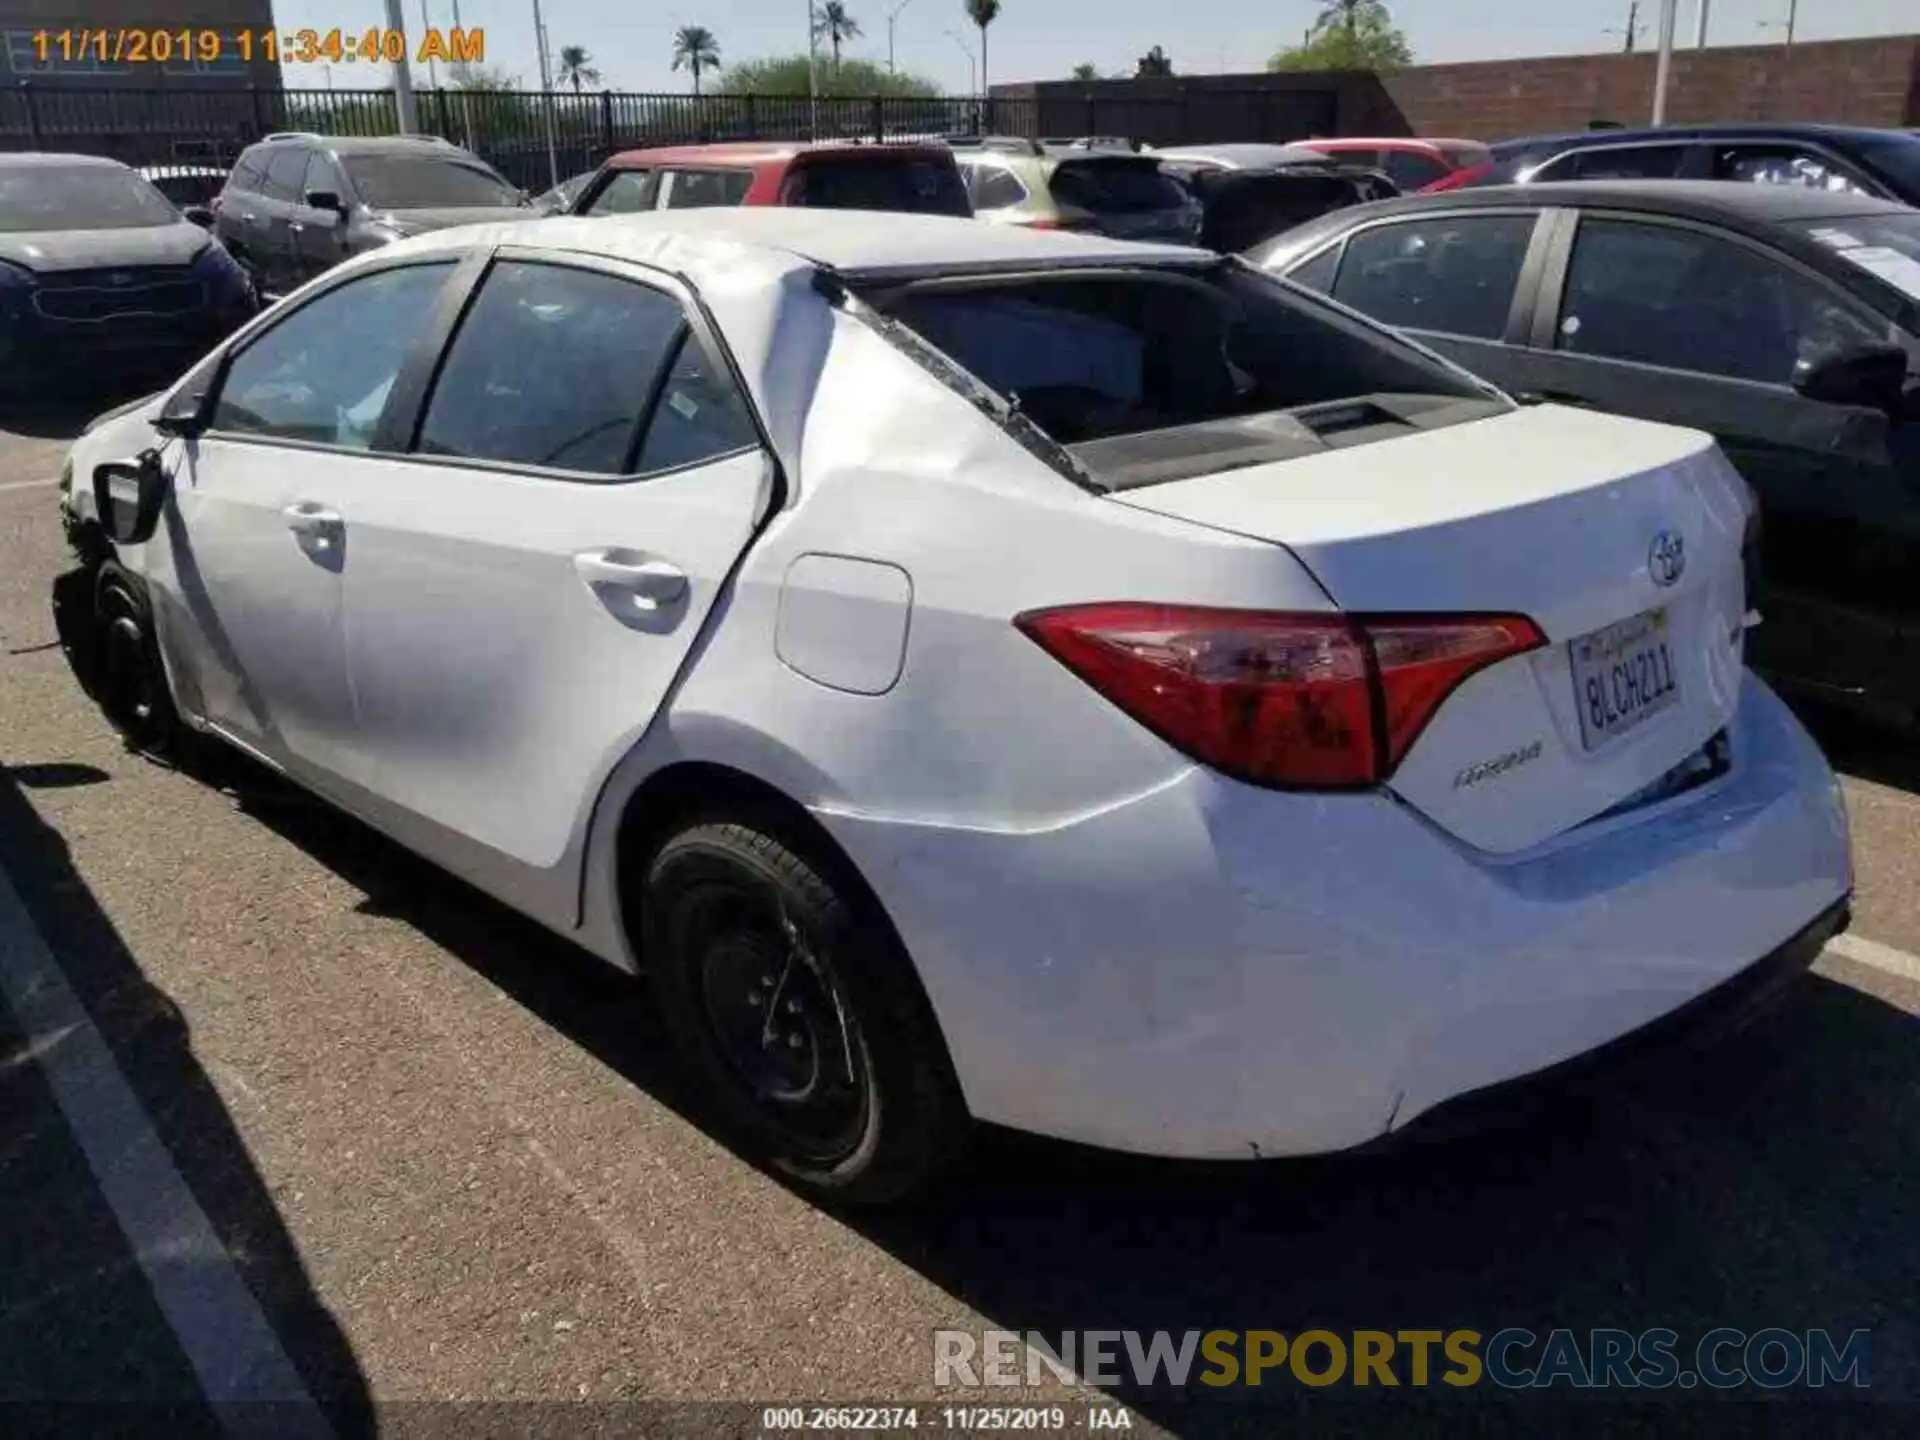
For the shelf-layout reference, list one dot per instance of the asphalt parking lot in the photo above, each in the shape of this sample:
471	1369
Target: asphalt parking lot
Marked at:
375	1139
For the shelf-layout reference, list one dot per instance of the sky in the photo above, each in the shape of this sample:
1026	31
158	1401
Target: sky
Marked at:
631	45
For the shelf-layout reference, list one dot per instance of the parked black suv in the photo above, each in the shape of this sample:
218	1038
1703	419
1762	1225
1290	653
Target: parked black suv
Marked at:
1881	163
298	204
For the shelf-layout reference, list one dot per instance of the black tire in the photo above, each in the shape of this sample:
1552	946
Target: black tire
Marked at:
131	678
798	1013
78	626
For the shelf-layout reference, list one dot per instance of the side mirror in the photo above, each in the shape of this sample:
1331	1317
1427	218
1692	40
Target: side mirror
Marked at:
325	200
199	215
185	413
128	496
1871	376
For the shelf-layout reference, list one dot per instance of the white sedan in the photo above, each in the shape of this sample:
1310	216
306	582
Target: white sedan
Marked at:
978	675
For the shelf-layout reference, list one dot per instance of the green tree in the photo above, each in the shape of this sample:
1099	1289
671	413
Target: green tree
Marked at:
983	13
695	49
576	68
486	79
832	23
1155	64
1349	35
786	75
1084	71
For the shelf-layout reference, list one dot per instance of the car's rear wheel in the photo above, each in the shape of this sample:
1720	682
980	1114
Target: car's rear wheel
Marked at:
130	678
797	1012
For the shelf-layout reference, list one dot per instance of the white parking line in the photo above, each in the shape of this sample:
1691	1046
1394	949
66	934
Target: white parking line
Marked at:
27	485
1881	957
233	1350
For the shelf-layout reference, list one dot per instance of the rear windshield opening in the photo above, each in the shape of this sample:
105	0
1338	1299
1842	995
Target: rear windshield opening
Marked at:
1115	187
920	187
1152	375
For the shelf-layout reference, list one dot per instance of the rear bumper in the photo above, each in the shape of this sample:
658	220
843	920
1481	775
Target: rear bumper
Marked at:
1723	1011
1213	970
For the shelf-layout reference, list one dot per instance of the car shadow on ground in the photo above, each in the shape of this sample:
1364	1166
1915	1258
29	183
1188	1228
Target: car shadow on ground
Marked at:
61	410
79	1325
1863	748
1765	1182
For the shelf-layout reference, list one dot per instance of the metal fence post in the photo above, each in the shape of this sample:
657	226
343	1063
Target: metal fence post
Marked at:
1093	114
879	121
260	126
753	122
606	120
33	114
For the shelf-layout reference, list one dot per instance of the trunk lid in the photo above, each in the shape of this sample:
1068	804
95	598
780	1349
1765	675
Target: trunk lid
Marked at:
1620	539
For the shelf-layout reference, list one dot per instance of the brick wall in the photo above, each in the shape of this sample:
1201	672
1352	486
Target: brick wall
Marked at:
1863	82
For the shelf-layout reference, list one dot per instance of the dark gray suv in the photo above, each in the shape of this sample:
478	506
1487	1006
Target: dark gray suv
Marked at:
298	204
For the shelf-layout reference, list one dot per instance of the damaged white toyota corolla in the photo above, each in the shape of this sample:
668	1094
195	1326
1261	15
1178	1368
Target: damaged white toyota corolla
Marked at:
980	675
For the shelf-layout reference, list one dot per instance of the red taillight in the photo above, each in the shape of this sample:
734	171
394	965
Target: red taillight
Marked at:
1308	701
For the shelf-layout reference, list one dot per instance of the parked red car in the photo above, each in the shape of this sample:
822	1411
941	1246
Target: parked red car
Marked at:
834	175
1410	163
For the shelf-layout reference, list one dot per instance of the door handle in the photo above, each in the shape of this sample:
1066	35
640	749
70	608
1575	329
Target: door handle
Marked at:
307	518
1554	397
295	226
653	583
317	530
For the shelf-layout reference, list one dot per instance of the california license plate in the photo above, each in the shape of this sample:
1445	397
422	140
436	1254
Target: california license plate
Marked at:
1622	676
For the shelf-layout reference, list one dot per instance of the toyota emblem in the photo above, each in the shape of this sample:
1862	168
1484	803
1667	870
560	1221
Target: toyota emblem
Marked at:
1667	559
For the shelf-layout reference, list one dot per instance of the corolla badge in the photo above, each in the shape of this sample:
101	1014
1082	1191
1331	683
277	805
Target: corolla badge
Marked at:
1667	558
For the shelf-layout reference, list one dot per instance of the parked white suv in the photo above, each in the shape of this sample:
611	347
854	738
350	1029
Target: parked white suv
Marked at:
1090	687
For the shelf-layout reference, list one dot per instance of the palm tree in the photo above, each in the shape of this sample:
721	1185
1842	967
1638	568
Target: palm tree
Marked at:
695	49
983	13
576	67
832	21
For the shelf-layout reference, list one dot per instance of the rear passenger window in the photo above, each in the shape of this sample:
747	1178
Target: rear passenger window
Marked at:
1783	165
626	192
1410	171
1663	295
994	188
1451	275
700	415
917	187
552	367
1625	162
701	189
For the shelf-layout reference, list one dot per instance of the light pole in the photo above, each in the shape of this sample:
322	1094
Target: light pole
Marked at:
546	91
1700	24
813	79
426	28
973	70
402	76
1663	67
892	16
